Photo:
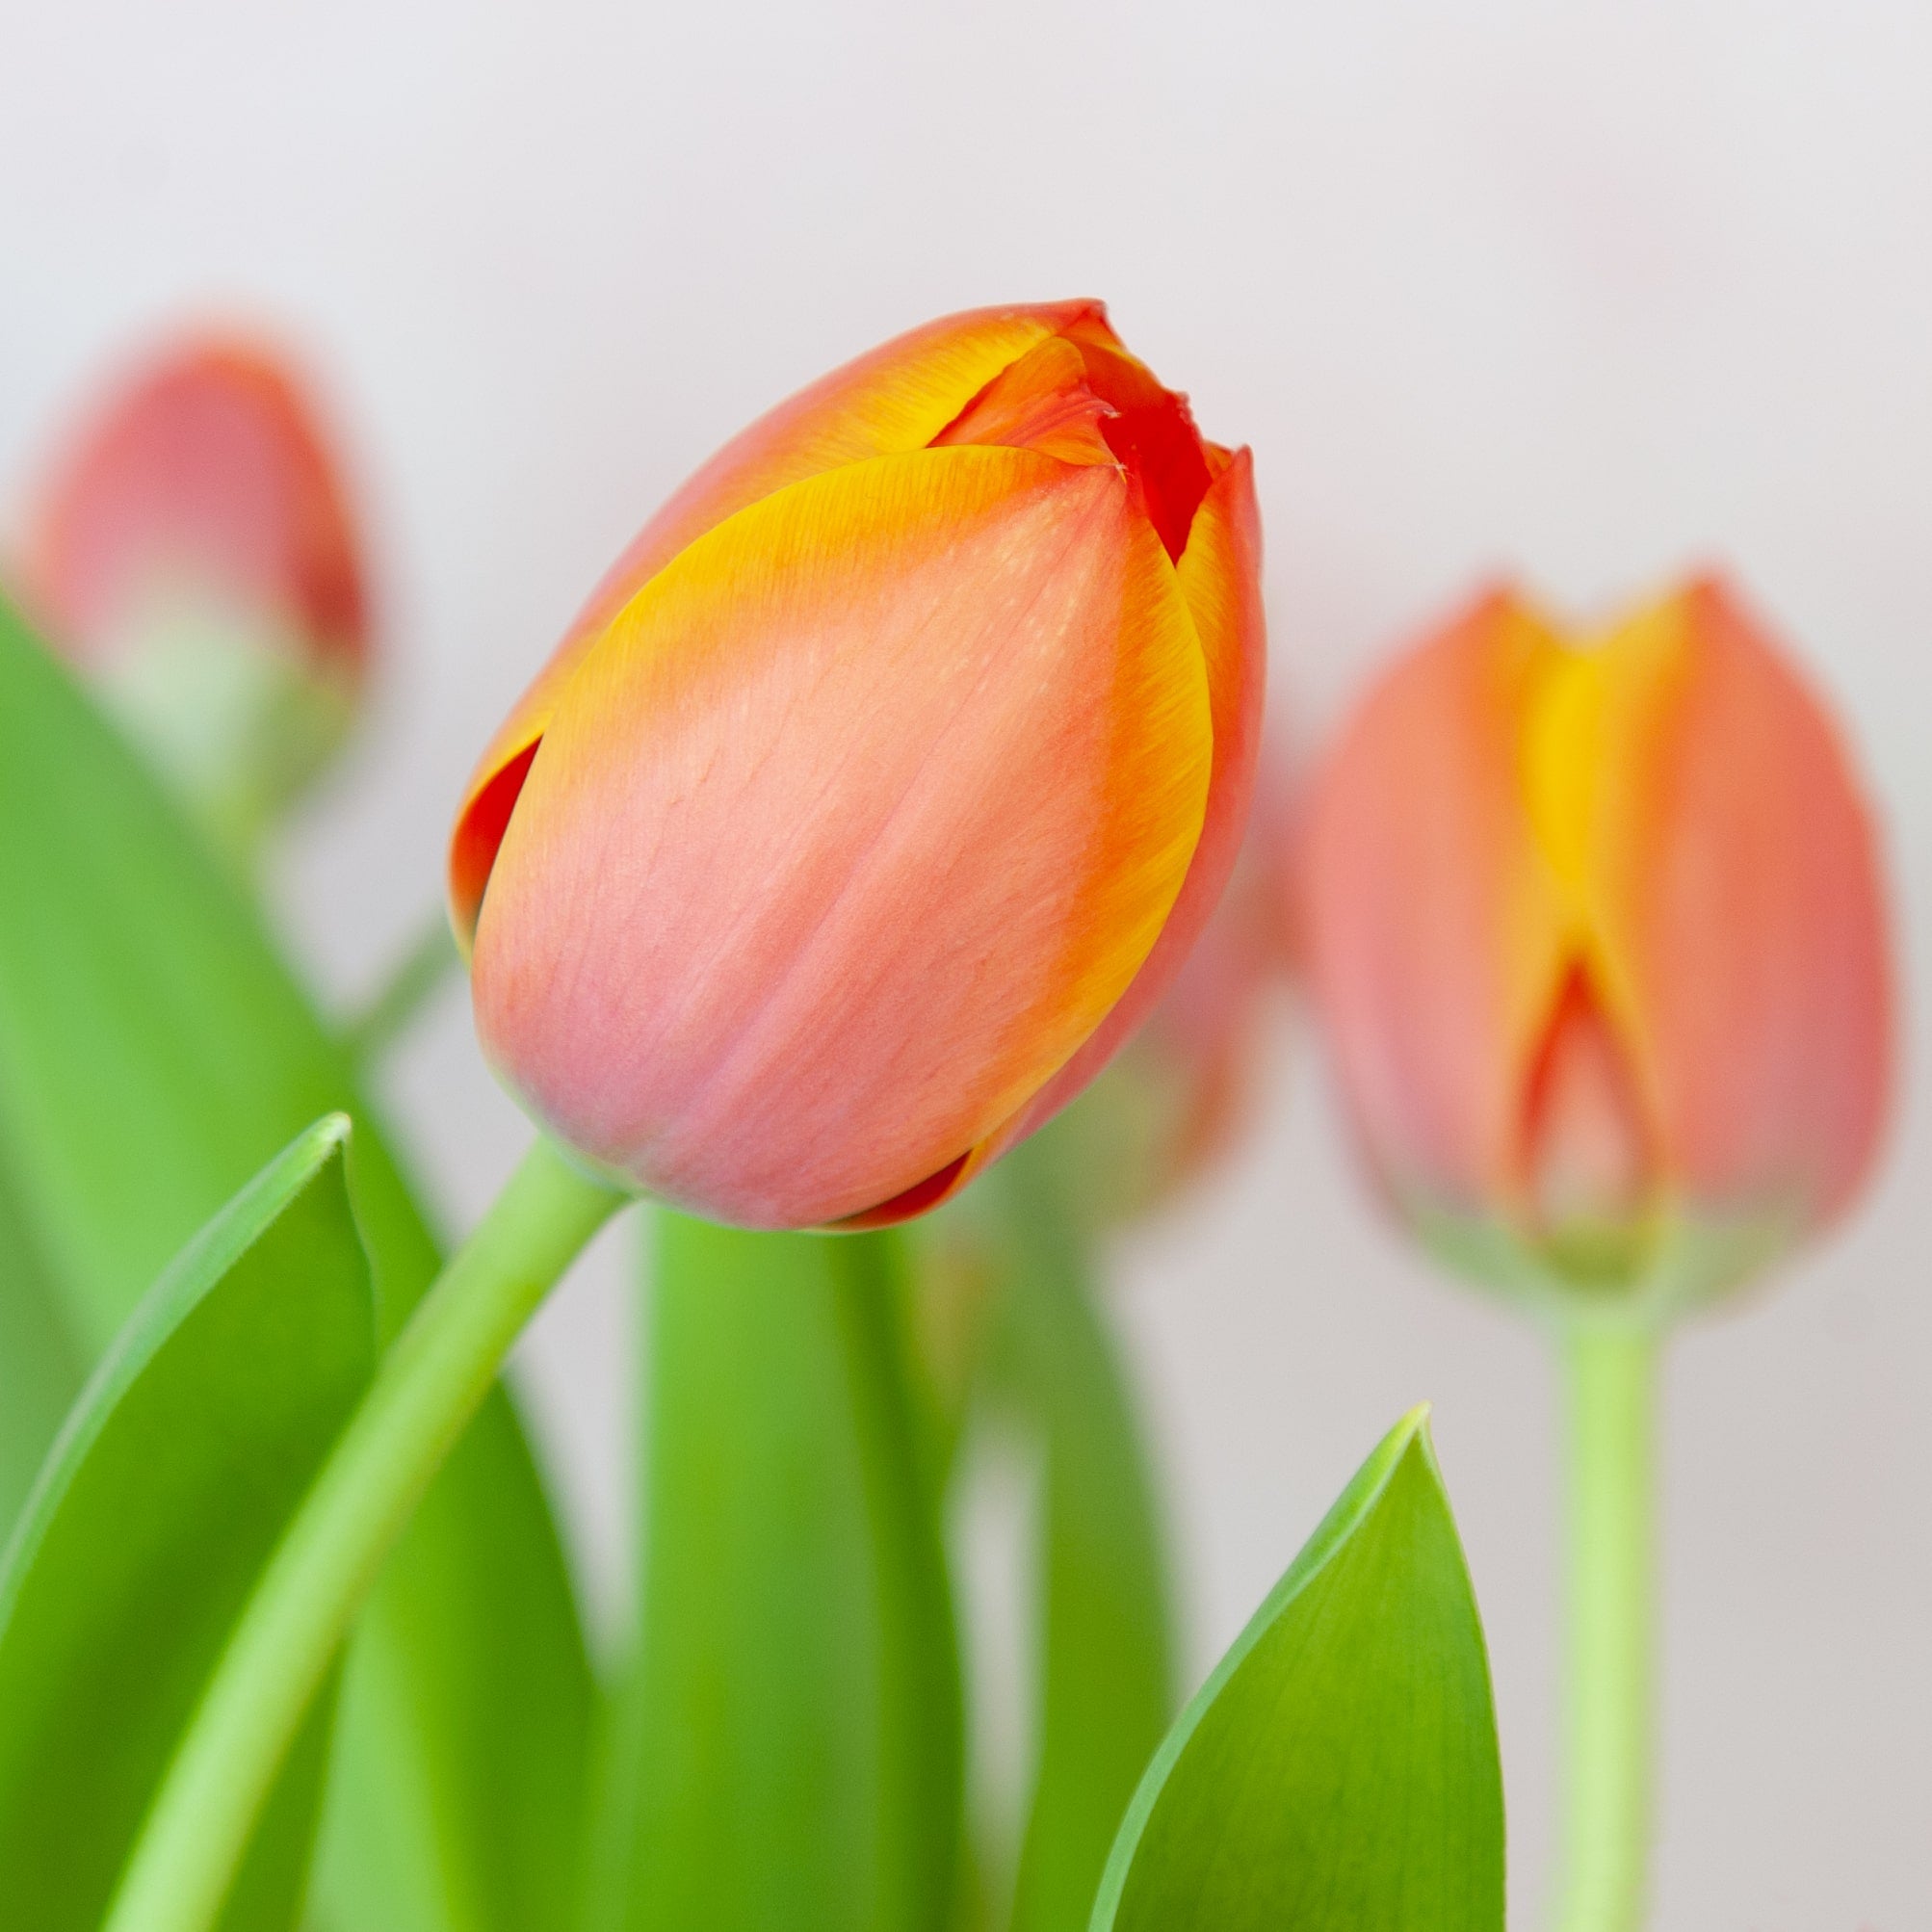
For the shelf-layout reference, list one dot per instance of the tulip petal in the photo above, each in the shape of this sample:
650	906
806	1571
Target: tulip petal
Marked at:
1589	1179
1043	402
895	399
1734	878
848	831
1219	578
1151	430
1438	937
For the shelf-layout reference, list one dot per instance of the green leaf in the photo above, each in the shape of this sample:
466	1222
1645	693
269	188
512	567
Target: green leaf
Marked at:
153	1054
787	1756
1339	1769
1105	1649
167	1488
40	1366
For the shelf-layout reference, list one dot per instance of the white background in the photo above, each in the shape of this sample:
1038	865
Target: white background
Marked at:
1587	293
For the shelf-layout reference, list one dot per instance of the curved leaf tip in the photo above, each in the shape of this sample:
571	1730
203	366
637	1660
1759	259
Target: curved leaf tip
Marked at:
1340	1766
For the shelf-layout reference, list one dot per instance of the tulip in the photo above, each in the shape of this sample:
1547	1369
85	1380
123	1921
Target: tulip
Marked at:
1599	935
875	797
193	555
882	786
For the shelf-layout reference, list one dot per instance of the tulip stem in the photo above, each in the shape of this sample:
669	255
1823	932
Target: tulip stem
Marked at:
375	1027
426	1390
1610	1373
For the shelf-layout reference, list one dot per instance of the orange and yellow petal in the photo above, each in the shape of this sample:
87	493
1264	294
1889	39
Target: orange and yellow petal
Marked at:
893	400
1437	937
1043	402
1220	580
1732	875
847	831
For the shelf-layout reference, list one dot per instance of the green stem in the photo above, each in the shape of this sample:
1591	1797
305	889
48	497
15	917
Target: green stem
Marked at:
428	1387
386	1015
1612	1376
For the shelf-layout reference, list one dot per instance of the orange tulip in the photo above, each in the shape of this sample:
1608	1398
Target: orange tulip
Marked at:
1600	936
192	555
882	786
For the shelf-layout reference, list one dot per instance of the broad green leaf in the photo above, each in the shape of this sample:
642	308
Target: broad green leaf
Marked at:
41	1365
1338	1770
169	1486
1103	1671
153	1054
787	1754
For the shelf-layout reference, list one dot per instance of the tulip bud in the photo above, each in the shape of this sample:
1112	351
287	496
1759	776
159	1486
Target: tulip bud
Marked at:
1599	937
193	555
882	786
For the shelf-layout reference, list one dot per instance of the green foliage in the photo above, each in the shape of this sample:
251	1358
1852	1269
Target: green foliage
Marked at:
40	1364
1338	1770
788	1757
153	1054
169	1484
1103	1673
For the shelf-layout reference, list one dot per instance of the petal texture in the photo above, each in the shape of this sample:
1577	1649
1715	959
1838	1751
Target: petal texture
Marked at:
1220	579
1601	937
1042	402
1437	936
1735	878
847	831
895	399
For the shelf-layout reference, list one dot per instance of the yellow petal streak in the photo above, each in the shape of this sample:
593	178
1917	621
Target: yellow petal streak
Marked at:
1585	737
1220	580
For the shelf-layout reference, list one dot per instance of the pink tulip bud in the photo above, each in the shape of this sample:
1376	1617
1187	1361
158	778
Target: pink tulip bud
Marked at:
1600	936
193	555
883	785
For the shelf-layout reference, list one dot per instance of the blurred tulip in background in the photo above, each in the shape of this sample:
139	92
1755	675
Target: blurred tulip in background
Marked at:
882	787
1599	935
1599	932
193	553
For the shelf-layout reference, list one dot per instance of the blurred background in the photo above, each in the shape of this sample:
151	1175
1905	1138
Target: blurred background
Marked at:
1586	296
